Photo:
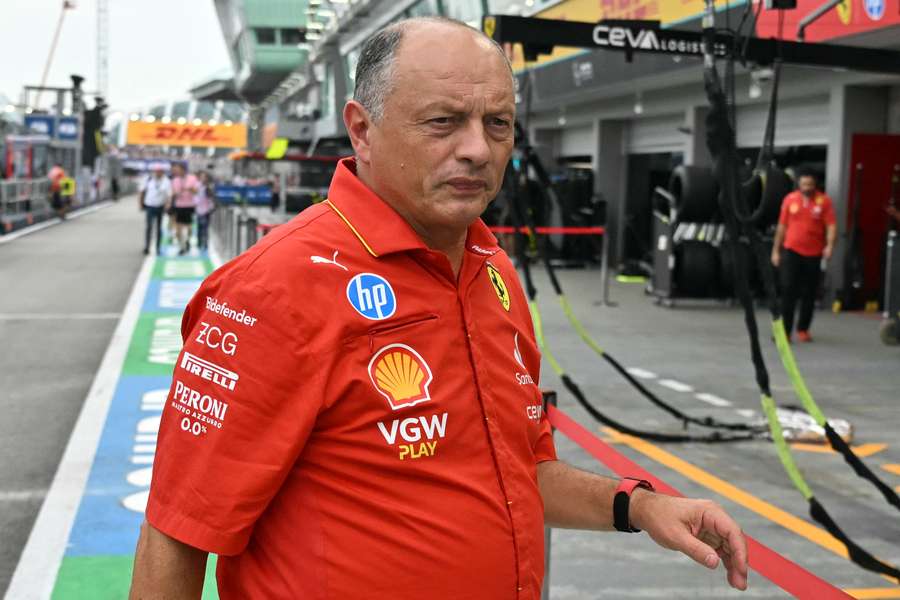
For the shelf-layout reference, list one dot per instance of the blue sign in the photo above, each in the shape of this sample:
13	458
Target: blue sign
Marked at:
874	8
67	129
42	124
372	296
152	164
240	194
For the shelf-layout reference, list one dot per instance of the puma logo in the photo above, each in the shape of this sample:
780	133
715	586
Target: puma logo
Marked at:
319	260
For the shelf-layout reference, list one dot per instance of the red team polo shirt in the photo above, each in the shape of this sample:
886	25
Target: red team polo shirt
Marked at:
349	420
805	221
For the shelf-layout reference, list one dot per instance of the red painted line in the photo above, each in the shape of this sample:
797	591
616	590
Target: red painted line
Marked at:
784	573
549	230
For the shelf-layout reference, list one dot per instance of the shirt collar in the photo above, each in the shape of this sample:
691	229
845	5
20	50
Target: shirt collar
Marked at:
381	229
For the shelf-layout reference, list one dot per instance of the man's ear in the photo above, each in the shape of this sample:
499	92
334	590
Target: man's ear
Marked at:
359	128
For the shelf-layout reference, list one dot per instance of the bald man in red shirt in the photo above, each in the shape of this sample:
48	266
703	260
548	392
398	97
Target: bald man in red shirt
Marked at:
807	227
356	411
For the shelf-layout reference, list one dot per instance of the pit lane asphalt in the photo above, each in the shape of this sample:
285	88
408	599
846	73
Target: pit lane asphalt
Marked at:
62	291
86	267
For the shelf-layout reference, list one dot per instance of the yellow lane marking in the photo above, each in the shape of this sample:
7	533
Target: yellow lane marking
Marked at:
895	469
861	450
873	593
761	507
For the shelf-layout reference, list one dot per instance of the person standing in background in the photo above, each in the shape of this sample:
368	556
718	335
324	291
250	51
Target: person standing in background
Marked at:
154	195
184	187
807	227
56	175
204	205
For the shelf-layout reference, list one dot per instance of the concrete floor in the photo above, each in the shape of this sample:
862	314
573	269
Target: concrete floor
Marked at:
850	373
61	292
86	267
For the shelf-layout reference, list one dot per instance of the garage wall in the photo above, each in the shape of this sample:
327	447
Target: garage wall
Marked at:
893	125
655	134
800	121
578	140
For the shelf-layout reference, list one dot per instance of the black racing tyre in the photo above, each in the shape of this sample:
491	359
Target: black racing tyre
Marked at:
696	193
764	193
696	269
889	331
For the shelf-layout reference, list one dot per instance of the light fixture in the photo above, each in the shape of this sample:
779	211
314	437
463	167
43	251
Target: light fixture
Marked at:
166	120
562	117
315	26
228	123
197	122
10	108
135	117
638	104
150	119
29	110
213	122
181	121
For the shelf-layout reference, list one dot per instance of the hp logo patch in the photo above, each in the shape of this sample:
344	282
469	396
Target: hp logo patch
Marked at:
372	296
874	8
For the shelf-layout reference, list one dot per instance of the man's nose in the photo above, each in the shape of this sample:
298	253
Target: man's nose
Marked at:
473	144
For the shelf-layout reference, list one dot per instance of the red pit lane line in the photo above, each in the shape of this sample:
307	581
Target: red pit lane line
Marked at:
566	230
784	573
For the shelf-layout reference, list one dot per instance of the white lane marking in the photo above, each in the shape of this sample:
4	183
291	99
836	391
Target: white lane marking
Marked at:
21	495
675	385
641	373
35	575
59	316
80	212
142	459
143	438
746	413
713	399
144	448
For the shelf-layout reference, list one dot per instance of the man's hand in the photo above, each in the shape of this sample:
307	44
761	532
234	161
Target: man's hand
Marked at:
700	529
776	257
827	252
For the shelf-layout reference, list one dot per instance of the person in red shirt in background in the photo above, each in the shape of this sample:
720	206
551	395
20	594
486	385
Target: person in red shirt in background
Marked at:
56	175
807	227
356	411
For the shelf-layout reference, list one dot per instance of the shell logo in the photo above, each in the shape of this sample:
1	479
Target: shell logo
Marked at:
401	375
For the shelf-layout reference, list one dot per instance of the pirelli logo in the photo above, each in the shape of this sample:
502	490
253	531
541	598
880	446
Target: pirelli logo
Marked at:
209	371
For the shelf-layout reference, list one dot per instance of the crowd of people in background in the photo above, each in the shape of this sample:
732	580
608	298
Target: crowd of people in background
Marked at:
183	199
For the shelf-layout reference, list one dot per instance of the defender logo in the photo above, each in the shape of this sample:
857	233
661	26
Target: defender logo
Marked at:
411	431
401	375
209	371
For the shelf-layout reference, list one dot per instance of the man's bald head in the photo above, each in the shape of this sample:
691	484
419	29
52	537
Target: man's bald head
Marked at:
375	68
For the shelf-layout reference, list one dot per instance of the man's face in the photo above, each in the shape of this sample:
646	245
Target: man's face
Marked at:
158	173
439	152
177	170
807	185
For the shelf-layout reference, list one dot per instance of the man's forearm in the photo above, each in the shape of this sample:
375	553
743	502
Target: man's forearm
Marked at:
830	236
779	238
166	568
576	499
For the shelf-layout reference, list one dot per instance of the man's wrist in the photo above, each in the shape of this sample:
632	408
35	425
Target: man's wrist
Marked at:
637	510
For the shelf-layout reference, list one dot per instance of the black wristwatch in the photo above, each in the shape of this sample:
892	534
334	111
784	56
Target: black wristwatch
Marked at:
621	501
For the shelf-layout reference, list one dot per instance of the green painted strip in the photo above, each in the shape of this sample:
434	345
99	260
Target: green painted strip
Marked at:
790	367
784	453
631	279
155	345
539	334
570	314
109	578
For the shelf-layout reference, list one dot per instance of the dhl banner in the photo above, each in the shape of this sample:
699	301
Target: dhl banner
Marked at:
141	133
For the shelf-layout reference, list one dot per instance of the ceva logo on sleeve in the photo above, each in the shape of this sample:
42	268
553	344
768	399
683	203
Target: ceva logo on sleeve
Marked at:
372	296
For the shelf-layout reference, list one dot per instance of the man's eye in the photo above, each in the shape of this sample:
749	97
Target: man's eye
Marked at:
499	123
441	120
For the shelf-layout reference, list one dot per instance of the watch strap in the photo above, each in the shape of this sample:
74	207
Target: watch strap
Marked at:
622	501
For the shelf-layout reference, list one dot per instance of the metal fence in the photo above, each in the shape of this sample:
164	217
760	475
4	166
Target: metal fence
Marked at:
233	230
23	197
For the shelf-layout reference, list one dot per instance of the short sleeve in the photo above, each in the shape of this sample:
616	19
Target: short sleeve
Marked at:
240	409
783	215
829	216
544	449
